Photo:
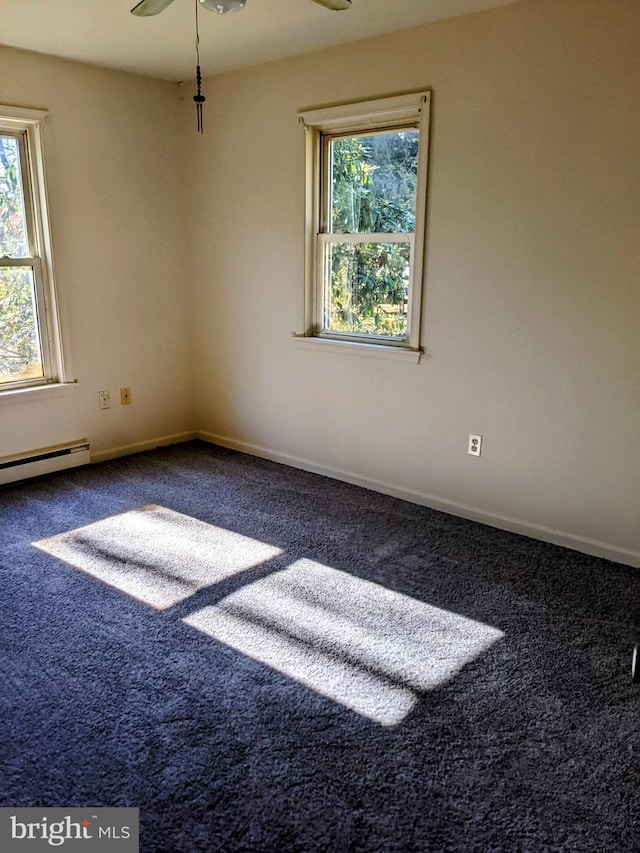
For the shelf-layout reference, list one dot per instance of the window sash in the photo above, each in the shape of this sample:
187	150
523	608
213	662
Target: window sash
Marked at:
327	236
25	126
367	237
35	265
27	187
326	166
320	311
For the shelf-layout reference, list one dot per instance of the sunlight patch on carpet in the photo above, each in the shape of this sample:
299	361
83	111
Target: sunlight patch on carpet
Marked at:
157	555
353	641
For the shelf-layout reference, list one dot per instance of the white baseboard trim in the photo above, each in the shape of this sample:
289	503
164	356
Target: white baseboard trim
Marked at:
138	447
535	531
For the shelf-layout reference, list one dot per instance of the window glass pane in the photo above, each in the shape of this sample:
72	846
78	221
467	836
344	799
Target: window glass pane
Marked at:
14	241
366	288
373	182
20	355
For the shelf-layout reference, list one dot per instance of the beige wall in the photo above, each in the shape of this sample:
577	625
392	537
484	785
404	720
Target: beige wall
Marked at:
531	315
113	156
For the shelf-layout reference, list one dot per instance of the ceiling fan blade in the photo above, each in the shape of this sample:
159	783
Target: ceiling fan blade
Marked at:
336	5
150	7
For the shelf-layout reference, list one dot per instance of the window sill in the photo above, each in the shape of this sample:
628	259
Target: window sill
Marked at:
36	393
397	354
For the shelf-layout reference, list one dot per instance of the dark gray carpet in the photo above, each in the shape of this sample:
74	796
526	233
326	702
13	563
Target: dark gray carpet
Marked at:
267	660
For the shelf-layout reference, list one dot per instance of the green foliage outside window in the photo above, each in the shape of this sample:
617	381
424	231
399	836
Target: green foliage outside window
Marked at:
373	186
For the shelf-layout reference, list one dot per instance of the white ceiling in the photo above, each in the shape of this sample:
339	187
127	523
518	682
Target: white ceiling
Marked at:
102	32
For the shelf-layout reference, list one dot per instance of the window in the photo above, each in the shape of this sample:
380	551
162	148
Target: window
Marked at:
30	353
366	205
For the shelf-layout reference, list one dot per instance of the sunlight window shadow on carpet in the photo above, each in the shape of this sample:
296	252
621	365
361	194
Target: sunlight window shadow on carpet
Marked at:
355	642
158	556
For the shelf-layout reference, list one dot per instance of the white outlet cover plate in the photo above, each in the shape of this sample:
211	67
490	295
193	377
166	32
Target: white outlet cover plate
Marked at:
475	445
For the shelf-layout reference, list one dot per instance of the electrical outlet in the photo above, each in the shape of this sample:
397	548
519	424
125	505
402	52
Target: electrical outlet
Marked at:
104	399
475	444
125	396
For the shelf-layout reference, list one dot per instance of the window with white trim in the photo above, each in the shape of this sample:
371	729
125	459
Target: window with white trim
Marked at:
30	351
365	221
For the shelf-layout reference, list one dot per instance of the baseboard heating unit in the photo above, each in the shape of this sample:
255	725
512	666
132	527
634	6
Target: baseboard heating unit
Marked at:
46	460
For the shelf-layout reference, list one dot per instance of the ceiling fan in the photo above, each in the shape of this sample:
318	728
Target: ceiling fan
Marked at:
145	8
154	7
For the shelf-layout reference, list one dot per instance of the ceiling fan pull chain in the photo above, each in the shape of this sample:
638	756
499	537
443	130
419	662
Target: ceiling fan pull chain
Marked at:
199	98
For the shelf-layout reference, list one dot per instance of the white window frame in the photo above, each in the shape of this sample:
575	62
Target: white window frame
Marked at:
27	126
400	111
